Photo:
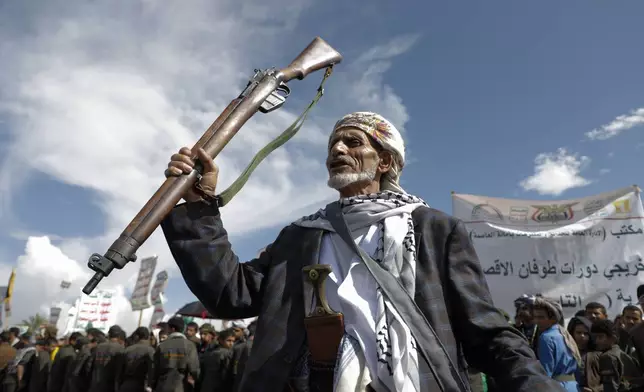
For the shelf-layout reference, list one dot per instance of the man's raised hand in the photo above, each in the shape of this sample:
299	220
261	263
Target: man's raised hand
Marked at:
181	164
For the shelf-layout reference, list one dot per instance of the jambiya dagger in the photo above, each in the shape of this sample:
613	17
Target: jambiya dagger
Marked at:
266	91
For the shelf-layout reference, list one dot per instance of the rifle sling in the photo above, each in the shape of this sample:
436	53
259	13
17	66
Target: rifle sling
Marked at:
427	341
224	197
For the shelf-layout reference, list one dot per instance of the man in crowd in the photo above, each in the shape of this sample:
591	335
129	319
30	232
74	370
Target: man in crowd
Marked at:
216	369
16	342
61	364
7	354
631	316
40	367
238	329
19	370
523	319
176	363
428	254
78	373
558	352
137	366
191	332
208	339
241	352
596	311
617	369
108	360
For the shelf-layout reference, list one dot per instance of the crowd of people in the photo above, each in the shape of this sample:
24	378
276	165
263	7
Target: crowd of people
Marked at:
407	307
591	354
179	357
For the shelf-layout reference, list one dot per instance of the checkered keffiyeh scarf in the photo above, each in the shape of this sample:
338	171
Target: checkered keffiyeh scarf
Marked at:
397	358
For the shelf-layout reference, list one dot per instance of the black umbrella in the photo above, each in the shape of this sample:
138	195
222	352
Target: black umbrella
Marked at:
195	309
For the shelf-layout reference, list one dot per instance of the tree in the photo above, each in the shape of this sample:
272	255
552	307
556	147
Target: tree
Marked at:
34	323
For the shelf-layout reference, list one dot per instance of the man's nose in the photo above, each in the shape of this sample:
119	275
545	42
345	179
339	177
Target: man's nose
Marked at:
338	149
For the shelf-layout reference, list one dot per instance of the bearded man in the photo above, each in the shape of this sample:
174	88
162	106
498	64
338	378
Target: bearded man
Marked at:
427	252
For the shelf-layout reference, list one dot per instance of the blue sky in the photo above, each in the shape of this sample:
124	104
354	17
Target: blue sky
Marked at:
495	98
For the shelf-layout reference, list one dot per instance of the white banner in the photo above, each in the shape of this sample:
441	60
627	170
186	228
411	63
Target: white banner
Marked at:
96	310
54	315
157	316
156	294
577	251
139	299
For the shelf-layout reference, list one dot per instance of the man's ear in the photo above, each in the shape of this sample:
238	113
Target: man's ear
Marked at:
386	161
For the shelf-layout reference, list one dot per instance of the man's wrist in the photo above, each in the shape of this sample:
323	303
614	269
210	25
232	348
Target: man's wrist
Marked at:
206	195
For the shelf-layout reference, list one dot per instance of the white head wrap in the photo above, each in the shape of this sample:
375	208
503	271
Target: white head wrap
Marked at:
385	134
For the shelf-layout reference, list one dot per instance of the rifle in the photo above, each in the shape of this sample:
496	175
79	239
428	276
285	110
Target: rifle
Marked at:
266	91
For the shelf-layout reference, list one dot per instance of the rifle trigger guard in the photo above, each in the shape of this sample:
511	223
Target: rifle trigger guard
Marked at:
276	99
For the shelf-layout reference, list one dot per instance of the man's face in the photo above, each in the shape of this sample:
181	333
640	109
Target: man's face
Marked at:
542	319
191	331
229	342
594	314
352	157
581	336
603	341
524	314
239	333
630	318
206	337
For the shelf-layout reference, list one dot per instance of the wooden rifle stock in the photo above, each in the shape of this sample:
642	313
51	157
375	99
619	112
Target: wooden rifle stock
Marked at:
318	55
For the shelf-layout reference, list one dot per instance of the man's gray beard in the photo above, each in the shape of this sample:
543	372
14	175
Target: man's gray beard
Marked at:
343	180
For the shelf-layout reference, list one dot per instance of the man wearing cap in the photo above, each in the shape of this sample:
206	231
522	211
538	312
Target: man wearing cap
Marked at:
427	253
241	353
208	338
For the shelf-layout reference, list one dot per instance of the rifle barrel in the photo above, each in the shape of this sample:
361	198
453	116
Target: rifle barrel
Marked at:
316	56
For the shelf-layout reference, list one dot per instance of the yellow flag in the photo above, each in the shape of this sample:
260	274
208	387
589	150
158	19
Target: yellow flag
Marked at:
7	298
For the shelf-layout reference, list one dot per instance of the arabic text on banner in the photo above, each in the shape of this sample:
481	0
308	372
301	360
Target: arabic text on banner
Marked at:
95	309
577	251
139	298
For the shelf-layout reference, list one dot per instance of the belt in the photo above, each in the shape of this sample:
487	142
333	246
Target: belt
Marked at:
565	377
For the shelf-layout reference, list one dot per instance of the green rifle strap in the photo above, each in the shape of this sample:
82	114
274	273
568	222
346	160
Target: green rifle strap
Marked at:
224	197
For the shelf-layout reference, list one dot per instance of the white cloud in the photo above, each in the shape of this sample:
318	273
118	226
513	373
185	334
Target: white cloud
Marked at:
554	173
99	95
604	171
39	273
620	124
